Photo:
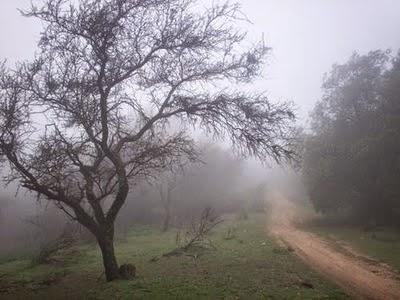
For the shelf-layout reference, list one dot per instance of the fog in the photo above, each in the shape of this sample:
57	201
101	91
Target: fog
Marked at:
307	37
221	181
160	131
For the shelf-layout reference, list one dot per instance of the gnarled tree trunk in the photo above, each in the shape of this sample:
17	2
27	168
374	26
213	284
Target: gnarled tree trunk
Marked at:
106	244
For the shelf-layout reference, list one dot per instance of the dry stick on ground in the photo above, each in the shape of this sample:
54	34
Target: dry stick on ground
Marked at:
197	232
200	230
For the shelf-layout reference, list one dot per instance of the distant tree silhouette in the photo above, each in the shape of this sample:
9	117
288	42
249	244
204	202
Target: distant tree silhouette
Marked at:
165	186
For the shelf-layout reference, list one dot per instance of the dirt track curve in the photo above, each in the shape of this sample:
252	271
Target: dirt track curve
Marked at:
360	276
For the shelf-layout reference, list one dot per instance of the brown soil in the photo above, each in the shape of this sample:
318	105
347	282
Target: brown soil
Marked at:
360	276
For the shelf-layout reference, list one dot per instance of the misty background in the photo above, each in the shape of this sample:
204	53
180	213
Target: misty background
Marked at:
307	37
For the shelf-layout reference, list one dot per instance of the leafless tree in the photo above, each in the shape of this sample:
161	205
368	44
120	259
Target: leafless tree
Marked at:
112	95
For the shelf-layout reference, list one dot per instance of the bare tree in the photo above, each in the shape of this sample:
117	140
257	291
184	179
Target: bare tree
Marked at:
92	114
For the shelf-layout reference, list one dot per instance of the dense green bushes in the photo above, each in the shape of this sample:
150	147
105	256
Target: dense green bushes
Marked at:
352	155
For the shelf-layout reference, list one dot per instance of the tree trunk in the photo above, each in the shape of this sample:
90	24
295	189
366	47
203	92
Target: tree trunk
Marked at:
167	211
106	243
166	221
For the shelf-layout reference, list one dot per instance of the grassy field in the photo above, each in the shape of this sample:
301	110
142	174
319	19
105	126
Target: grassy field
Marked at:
382	244
248	266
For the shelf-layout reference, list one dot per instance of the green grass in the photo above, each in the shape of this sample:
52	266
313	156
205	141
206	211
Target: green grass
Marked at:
382	245
248	266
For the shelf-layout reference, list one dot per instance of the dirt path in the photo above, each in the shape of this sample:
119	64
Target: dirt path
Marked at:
356	274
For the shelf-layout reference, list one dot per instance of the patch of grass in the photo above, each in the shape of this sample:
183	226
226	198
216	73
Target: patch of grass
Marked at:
382	245
249	266
15	254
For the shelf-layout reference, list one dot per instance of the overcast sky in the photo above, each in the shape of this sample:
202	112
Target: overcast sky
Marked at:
307	37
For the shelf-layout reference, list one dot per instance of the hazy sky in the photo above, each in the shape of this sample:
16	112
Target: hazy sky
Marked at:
307	37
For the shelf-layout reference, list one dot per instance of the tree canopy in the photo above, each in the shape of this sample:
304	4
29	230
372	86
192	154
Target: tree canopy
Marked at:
352	156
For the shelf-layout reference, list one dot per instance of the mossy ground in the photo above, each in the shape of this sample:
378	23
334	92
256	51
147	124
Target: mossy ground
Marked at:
247	265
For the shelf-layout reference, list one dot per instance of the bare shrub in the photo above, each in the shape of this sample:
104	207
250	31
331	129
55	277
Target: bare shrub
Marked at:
196	233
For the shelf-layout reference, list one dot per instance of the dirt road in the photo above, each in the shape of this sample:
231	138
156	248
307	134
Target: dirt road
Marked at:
361	277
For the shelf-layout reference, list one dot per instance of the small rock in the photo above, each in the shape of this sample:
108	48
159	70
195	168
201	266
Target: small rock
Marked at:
155	259
307	284
127	271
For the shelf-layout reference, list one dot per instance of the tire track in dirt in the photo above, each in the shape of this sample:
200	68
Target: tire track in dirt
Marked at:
355	275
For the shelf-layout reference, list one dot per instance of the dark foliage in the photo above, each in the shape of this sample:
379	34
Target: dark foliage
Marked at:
352	157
